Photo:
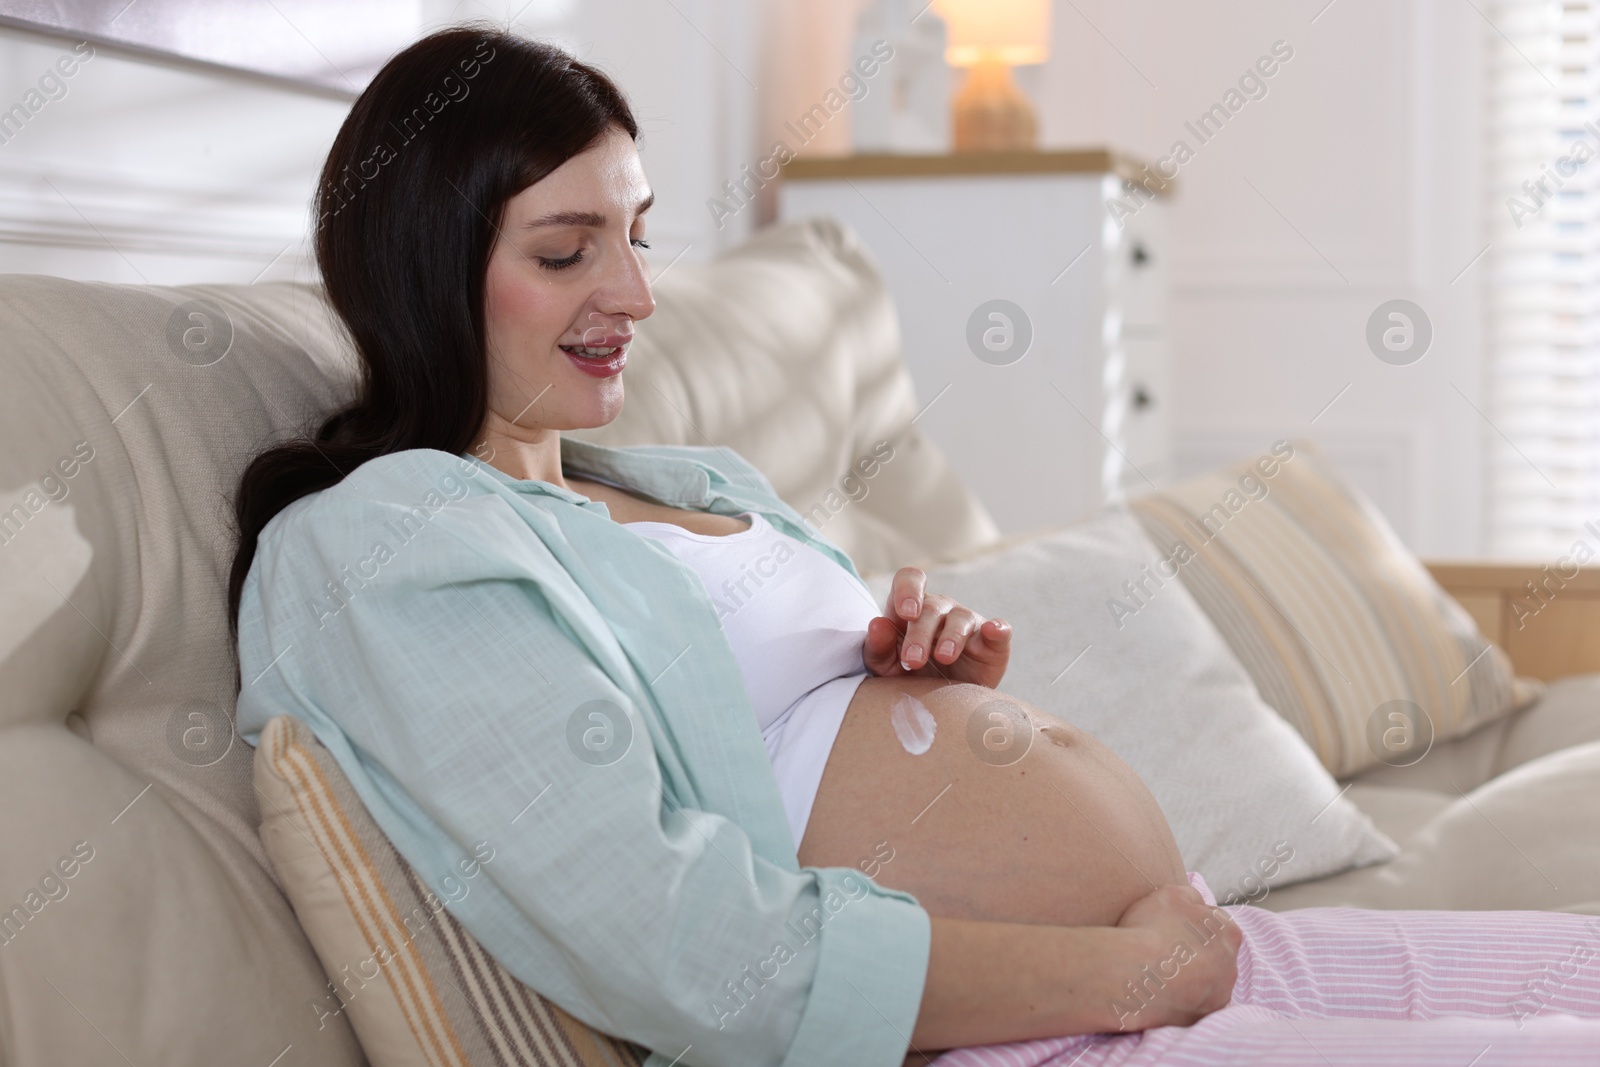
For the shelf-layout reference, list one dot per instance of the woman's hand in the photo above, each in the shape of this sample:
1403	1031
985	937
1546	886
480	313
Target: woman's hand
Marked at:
965	647
991	983
1193	952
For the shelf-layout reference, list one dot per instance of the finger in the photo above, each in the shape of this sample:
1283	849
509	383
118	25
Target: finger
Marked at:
958	626
880	652
881	634
989	642
918	642
888	635
967	636
905	594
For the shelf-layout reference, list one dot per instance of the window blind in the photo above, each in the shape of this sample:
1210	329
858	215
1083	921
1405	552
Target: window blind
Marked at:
1543	331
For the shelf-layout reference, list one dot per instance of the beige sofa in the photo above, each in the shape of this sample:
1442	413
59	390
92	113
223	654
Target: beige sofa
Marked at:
142	921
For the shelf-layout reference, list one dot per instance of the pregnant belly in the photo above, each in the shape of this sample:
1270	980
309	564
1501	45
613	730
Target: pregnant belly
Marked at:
1066	834
1104	844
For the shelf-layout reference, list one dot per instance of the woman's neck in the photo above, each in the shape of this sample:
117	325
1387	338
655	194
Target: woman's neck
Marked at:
529	455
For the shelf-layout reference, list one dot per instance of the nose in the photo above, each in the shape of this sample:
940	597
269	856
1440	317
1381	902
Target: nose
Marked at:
626	287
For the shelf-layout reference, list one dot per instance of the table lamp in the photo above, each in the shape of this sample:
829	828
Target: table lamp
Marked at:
989	112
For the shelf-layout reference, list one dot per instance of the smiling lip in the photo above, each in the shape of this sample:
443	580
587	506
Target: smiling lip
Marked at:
608	367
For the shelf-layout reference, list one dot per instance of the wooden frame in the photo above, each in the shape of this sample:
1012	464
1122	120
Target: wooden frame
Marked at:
1547	618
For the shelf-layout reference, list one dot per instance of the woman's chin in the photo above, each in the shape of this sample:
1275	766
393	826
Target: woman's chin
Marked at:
600	408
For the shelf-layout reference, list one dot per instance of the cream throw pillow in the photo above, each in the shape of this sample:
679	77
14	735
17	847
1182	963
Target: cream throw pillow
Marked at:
418	989
1344	631
1249	804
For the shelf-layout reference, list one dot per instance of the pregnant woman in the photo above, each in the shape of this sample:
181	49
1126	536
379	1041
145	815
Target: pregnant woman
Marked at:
737	814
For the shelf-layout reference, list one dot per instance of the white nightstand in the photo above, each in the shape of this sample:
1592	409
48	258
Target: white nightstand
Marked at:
1081	417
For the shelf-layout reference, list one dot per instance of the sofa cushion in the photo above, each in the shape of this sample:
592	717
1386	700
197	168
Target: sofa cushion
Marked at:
125	932
1526	839
1343	630
415	985
127	415
1464	762
1567	714
1239	787
1396	810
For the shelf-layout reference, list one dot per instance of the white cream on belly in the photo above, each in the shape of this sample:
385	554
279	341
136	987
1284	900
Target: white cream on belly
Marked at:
913	724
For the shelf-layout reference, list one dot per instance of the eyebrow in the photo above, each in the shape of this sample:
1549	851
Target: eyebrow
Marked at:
583	218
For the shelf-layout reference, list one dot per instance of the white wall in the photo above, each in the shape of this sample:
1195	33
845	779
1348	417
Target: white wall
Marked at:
1368	144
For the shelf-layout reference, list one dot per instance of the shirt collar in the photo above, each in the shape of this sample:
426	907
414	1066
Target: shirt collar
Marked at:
674	480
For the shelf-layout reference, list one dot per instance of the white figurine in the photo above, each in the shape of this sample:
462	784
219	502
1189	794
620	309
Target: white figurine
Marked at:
908	107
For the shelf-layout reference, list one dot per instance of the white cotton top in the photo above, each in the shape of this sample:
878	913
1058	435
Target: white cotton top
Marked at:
794	617
796	621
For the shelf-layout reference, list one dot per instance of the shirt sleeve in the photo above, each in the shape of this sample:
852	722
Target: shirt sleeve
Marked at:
481	709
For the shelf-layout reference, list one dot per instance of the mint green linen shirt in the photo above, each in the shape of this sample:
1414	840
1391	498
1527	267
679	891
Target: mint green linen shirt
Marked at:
541	711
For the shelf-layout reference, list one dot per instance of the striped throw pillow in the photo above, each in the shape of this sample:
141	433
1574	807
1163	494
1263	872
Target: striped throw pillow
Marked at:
1343	630
420	992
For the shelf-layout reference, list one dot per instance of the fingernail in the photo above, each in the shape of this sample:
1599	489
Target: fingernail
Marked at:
908	607
947	648
912	652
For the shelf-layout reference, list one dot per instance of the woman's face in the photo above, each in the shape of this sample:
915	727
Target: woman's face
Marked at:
565	284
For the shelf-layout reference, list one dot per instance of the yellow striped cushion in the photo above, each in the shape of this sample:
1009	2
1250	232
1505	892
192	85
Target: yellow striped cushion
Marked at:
1326	608
419	991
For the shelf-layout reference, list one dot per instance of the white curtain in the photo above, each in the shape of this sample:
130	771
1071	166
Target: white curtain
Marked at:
1543	159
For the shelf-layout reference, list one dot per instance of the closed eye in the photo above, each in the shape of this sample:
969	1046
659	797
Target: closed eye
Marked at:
562	264
577	257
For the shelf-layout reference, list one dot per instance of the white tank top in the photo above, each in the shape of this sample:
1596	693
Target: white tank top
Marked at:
795	618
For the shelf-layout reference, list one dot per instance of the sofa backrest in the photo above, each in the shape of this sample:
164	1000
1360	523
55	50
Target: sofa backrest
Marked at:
126	417
133	871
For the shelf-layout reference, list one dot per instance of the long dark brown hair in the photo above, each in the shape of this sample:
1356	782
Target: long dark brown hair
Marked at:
407	209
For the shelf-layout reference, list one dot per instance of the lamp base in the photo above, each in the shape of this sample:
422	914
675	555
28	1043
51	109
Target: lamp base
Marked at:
991	114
